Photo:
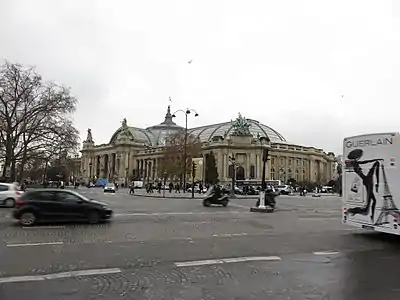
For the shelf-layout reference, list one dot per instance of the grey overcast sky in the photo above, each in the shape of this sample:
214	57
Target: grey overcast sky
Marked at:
286	63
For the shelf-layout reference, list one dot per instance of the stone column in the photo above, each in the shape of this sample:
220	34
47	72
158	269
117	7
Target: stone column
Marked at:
204	168
311	171
154	171
247	166
158	170
101	166
127	166
253	162
258	174
268	170
226	167
220	163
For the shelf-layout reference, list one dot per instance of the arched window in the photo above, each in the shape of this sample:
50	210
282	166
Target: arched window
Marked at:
252	172
272	174
239	173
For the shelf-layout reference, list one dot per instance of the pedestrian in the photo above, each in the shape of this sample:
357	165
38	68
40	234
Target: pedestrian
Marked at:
132	188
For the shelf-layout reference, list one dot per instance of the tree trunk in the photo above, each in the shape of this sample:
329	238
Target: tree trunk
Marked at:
22	167
13	172
9	155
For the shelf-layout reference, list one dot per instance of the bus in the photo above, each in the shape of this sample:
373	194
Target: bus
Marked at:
257	182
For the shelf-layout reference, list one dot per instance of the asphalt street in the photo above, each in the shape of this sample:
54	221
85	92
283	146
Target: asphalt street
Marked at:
167	248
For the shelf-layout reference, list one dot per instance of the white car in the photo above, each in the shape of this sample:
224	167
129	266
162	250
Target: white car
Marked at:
109	188
197	189
284	189
9	193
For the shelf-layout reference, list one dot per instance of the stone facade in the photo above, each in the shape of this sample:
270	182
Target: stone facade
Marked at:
136	153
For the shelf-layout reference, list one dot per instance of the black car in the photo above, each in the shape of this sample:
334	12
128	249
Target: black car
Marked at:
58	205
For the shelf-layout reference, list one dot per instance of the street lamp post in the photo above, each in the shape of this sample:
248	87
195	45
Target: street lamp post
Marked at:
147	162
165	182
90	171
264	159
261	203
186	112
126	176
234	164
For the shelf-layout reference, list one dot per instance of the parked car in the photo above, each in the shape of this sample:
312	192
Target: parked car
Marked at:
284	189
9	193
110	188
197	189
58	205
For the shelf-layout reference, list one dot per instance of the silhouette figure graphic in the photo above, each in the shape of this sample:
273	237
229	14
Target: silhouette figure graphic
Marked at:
367	180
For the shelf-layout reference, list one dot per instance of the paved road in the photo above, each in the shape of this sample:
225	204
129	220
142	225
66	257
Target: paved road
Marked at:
177	249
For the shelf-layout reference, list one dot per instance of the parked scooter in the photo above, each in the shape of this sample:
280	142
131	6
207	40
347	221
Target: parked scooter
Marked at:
270	195
215	195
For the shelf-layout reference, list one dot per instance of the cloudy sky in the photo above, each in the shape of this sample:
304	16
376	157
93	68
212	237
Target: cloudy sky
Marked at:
286	63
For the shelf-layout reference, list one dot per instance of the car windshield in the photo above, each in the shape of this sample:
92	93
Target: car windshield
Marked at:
110	185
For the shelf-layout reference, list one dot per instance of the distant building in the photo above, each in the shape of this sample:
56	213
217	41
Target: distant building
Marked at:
136	153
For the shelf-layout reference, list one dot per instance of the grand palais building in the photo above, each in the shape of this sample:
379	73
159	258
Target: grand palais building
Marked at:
135	153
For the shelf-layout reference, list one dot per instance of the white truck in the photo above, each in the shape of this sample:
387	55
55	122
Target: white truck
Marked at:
370	182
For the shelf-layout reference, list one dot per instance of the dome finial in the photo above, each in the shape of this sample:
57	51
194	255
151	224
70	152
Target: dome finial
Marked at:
168	117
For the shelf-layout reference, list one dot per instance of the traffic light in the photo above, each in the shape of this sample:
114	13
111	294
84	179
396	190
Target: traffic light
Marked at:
194	167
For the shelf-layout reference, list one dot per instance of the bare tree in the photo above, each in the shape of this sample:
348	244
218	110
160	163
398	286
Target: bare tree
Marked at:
34	117
173	156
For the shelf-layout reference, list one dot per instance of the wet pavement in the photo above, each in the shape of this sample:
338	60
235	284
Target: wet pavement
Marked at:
177	249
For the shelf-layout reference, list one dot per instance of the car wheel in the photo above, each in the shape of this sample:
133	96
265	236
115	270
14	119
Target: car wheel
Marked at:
10	202
27	219
93	217
225	203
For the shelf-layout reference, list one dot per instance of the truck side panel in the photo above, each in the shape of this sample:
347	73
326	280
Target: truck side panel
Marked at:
371	196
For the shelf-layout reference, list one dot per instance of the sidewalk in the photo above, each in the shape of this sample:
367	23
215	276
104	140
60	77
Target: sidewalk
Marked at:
166	193
173	195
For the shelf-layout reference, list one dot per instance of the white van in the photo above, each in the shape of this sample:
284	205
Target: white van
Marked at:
371	193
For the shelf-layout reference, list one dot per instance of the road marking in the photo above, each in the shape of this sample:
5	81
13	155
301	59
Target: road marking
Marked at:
326	253
226	261
229	234
34	244
59	275
176	213
44	227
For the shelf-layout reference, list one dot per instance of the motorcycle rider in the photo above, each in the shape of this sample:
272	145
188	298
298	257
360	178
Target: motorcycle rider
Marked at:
217	191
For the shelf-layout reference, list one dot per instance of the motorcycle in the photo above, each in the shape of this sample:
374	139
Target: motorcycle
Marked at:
211	197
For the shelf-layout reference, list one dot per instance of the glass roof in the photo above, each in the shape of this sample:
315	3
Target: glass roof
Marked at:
206	133
155	136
